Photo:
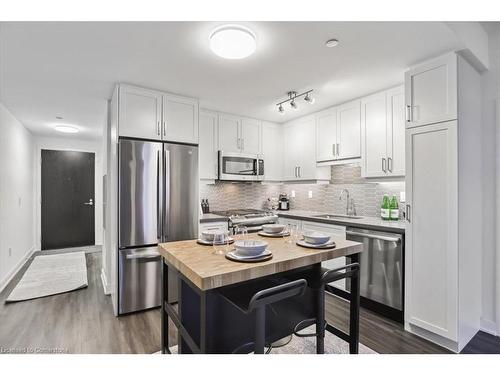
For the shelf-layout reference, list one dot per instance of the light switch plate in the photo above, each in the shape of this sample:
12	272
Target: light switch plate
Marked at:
293	193
310	194
402	196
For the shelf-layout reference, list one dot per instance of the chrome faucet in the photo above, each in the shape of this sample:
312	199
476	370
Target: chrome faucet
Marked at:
350	210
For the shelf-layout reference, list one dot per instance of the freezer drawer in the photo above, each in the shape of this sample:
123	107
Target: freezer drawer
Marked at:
139	271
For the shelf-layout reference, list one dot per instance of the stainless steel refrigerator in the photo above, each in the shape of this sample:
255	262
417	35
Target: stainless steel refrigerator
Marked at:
158	202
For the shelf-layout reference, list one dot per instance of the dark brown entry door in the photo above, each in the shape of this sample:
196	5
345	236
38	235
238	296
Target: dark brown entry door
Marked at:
68	201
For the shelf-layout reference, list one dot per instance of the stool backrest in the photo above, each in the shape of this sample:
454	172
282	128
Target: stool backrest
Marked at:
277	293
340	273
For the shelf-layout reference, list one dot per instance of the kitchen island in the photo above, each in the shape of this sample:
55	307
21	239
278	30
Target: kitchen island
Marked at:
206	319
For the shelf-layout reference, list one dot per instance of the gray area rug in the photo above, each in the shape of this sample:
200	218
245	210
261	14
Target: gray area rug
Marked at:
307	345
51	274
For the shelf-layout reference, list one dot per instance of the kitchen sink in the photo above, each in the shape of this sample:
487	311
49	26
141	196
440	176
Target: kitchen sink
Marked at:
336	216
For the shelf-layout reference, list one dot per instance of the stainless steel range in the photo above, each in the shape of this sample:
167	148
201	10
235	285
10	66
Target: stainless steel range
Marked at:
252	219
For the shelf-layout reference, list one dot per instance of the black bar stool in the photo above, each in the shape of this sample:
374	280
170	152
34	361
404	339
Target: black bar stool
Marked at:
259	302
350	271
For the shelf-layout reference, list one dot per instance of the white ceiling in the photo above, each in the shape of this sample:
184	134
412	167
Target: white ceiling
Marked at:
69	69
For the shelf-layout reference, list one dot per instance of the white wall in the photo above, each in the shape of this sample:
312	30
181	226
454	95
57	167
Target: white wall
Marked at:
16	195
490	272
70	144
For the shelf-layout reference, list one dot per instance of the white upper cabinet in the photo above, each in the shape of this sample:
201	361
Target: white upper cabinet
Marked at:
150	114
272	151
250	136
431	91
229	133
349	130
140	113
300	151
383	134
396	131
326	135
374	135
180	119
237	134
208	145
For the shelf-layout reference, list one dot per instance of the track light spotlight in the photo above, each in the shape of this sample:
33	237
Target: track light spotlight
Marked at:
294	105
281	109
309	99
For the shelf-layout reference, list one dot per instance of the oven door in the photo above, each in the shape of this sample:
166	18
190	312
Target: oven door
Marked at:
239	167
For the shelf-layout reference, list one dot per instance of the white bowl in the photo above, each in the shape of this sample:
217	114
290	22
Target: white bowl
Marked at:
250	247
316	238
209	234
273	228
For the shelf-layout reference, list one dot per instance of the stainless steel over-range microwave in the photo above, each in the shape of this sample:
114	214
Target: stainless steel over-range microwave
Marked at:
234	166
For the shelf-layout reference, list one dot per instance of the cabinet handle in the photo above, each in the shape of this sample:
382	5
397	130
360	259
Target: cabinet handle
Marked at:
158	128
295	171
164	128
408	213
333	149
389	164
408	113
383	165
338	149
300	173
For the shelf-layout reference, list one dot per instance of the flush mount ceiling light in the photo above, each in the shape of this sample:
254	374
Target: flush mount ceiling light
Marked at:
66	129
292	95
332	43
232	42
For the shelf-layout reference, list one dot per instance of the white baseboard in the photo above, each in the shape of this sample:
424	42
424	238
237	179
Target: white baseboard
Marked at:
489	326
7	279
105	286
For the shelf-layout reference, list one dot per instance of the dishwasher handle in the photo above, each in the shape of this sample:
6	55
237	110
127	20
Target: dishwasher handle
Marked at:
374	236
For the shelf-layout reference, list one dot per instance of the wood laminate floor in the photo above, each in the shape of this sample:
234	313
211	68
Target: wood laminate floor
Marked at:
83	322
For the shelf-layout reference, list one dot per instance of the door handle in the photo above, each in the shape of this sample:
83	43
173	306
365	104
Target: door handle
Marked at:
89	203
389	164
408	213
338	149
158	214
166	181
408	113
383	165
298	168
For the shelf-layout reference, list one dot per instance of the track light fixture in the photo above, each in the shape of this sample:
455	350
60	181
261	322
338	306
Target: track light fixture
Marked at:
292	95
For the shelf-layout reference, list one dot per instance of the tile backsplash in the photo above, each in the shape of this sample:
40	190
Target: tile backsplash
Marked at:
367	194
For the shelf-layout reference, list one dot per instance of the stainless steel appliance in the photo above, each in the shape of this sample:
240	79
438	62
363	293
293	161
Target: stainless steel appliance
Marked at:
158	202
252	219
284	203
381	278
235	166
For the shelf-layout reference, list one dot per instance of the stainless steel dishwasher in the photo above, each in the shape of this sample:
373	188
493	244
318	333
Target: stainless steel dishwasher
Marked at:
381	278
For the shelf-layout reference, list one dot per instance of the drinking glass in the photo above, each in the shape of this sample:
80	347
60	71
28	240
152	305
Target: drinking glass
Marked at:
292	229
220	243
241	232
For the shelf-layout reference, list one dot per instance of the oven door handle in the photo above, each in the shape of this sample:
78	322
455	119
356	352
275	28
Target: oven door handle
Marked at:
374	236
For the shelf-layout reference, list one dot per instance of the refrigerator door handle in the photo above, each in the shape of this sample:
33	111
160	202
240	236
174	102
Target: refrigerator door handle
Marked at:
158	215
166	182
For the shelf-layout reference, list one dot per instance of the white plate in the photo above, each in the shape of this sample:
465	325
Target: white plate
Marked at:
234	254
201	241
273	228
329	245
275	235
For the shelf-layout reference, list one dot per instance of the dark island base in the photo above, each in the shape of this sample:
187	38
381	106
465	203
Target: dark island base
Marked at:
214	321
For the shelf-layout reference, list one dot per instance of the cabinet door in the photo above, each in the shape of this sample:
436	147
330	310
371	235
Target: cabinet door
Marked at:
139	113
229	133
272	151
292	145
306	149
349	130
396	132
374	136
180	119
326	135
208	145
431	91
432	229
250	136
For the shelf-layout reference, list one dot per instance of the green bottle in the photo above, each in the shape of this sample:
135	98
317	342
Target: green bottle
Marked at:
394	208
385	208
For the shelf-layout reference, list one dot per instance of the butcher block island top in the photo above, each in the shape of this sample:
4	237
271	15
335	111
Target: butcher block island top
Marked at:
206	270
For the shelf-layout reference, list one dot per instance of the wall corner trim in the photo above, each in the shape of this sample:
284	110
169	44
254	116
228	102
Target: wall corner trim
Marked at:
10	275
